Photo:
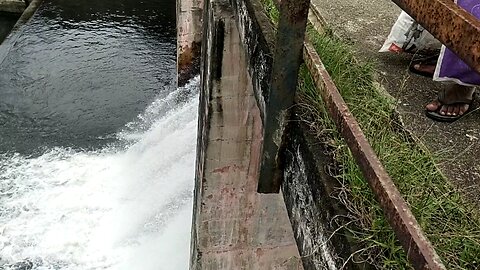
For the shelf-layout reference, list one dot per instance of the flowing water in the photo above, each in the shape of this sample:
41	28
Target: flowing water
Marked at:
97	146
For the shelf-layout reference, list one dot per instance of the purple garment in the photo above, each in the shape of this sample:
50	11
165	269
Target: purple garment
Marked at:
451	67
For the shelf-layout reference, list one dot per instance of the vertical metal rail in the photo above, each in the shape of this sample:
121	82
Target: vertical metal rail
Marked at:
287	58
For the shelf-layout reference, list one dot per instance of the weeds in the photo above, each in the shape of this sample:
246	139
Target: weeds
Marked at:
450	223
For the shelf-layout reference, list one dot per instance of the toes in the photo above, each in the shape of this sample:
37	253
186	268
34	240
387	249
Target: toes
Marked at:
433	106
444	110
456	110
453	110
463	109
424	67
450	110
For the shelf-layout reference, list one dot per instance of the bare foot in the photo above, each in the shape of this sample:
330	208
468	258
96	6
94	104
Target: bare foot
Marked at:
425	68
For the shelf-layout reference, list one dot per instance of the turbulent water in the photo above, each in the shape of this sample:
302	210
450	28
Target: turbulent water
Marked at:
122	207
97	147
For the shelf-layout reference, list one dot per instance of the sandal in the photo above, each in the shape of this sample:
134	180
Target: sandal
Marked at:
443	100
427	61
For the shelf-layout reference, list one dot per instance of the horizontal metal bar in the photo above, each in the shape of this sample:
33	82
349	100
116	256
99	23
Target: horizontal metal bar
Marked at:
419	250
452	25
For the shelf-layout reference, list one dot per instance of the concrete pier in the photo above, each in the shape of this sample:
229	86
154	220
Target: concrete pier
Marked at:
234	226
189	38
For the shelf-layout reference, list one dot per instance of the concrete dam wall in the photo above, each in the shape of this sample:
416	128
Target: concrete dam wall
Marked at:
189	32
234	226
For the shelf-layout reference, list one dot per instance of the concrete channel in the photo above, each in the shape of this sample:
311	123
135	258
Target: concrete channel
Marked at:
234	227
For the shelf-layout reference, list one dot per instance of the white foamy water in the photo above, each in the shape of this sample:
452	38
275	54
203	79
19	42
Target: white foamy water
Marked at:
124	207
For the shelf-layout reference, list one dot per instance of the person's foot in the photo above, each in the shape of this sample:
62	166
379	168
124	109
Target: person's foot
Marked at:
425	67
451	103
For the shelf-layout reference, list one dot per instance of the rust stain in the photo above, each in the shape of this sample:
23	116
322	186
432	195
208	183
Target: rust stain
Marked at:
186	56
228	192
259	252
228	168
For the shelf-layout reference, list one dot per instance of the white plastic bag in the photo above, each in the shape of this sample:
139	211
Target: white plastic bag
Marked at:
409	36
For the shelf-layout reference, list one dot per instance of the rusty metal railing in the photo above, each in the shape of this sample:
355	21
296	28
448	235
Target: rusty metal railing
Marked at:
418	248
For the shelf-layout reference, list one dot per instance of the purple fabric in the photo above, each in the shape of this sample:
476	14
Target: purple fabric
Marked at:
452	66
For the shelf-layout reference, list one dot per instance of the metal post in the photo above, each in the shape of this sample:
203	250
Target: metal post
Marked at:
286	63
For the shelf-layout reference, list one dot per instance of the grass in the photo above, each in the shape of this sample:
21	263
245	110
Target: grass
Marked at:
450	223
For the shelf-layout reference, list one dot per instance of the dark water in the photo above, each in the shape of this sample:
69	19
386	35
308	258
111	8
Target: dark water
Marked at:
80	70
75	193
7	20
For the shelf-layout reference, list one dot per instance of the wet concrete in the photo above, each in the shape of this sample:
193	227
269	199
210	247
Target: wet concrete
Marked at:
189	38
13	6
234	226
365	24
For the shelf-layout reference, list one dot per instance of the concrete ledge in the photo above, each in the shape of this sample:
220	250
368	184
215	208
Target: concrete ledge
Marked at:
258	36
9	41
12	6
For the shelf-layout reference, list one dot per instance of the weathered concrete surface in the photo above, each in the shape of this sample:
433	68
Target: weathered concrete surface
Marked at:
13	6
234	226
316	216
366	24
189	38
258	35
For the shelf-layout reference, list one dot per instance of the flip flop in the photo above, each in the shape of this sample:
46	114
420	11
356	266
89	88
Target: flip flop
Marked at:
435	115
430	61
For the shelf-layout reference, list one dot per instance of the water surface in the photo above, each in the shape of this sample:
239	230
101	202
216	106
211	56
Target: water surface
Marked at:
97	145
80	70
